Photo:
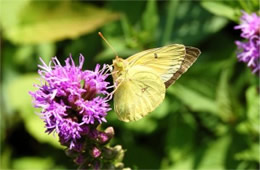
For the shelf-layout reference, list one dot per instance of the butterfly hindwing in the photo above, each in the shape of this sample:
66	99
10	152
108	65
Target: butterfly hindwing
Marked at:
140	93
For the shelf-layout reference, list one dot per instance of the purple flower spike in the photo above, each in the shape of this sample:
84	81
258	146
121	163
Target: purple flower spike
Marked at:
250	25
249	50
70	99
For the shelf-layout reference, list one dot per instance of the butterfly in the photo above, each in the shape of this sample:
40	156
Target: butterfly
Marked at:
141	79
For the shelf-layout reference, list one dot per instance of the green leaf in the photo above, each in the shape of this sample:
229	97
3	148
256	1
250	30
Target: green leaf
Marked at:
221	9
179	138
179	141
22	102
5	157
194	100
145	125
250	154
18	91
9	12
33	163
150	21
23	53
223	98
121	48
162	110
36	127
193	24
185	163
253	105
44	21
46	51
215	155
170	21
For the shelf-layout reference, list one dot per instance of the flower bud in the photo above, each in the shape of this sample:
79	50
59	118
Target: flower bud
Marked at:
103	138
79	160
113	153
95	152
110	132
120	152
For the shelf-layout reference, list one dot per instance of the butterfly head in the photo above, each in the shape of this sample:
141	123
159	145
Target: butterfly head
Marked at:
119	64
119	67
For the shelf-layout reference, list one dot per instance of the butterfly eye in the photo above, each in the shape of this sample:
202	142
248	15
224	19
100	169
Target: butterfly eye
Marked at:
120	64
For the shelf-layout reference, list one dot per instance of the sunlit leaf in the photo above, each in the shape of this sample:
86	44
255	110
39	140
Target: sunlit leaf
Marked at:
9	12
192	99
46	51
18	91
33	163
44	21
162	110
36	128
221	9
253	106
145	125
185	163
21	101
251	154
223	98
214	157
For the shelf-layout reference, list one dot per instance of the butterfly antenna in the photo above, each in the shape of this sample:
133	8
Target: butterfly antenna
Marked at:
101	35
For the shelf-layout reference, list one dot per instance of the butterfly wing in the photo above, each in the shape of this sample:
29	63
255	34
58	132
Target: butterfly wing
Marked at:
166	61
191	56
142	78
139	93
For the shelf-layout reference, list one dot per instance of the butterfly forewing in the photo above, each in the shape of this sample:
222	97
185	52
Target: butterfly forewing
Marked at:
165	61
191	56
140	93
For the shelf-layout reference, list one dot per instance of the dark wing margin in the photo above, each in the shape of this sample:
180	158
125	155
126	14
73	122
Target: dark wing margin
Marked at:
191	56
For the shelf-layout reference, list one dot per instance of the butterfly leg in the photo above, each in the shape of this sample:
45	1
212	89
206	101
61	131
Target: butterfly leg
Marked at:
110	95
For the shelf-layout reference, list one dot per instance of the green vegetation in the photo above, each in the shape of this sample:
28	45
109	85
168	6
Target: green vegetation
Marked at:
209	119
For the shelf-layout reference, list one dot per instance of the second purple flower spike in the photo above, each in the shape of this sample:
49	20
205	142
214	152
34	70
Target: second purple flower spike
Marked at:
249	49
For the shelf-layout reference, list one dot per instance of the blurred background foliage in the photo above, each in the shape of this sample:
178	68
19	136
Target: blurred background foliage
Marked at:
209	119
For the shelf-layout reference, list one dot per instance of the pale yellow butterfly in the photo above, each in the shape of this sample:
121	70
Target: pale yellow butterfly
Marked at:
141	79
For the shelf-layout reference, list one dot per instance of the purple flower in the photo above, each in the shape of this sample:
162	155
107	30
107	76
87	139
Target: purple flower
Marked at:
249	49
250	25
250	52
95	152
71	99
